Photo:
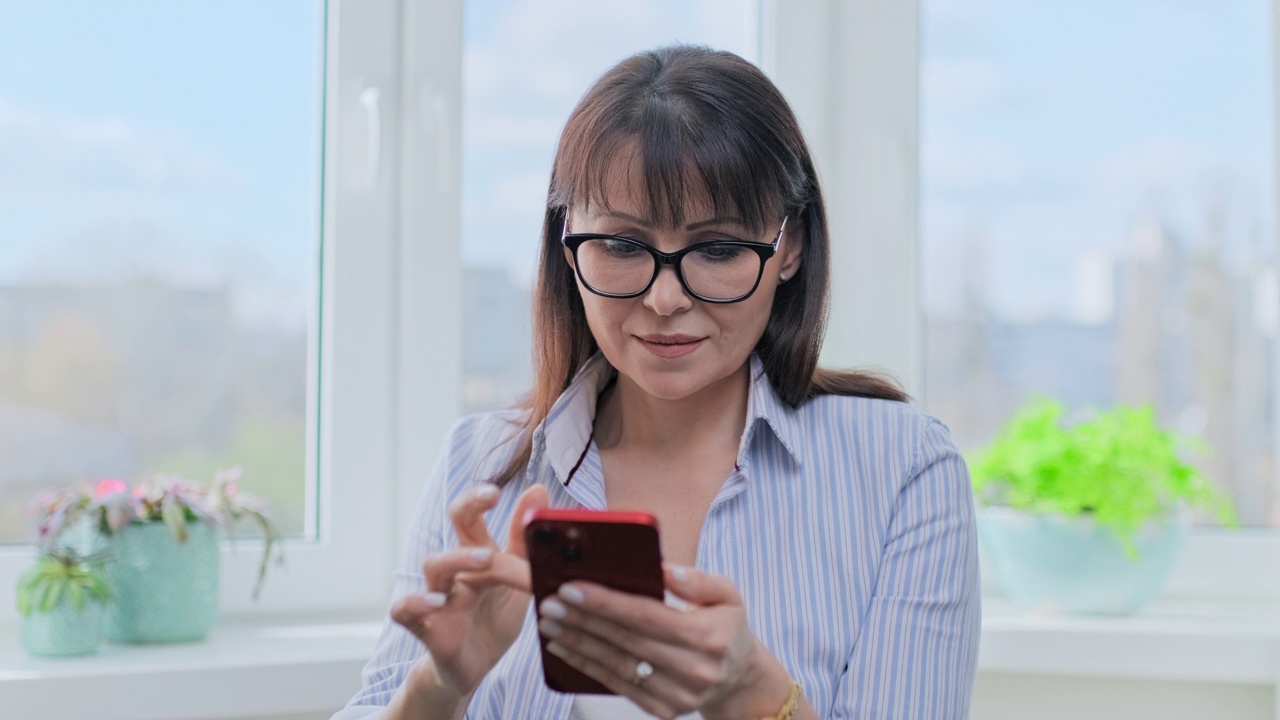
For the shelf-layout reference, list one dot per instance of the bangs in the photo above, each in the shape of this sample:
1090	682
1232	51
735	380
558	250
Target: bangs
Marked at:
690	149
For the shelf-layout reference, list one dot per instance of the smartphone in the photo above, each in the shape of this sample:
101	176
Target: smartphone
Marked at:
619	550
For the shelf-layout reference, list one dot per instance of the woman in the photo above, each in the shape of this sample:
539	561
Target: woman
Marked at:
818	530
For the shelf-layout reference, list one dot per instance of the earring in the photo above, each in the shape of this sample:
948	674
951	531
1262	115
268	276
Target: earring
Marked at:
782	277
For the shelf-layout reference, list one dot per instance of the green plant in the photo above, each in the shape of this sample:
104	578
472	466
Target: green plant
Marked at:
62	574
1119	467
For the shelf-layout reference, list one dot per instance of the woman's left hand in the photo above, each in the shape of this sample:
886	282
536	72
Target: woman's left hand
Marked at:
704	658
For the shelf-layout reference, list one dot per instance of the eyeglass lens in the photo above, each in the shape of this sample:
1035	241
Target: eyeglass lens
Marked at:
716	271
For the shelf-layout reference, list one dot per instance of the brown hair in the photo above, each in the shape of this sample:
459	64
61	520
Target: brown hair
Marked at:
703	120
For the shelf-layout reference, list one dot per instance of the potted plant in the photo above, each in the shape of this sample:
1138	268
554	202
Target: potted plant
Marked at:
1088	517
163	541
61	601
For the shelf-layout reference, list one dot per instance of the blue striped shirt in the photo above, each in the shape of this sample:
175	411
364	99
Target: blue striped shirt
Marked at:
847	527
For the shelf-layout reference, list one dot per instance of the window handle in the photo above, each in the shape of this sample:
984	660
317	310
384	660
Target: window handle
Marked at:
370	100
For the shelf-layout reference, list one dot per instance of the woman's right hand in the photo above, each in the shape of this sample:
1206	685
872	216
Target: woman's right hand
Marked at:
477	595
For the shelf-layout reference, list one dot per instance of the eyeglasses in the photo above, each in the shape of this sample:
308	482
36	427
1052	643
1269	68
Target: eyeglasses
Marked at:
719	271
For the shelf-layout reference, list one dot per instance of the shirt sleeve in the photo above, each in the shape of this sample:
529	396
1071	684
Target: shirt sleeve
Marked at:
917	651
397	650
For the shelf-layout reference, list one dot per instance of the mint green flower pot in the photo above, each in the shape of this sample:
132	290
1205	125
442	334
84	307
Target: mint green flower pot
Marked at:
1055	563
166	591
64	631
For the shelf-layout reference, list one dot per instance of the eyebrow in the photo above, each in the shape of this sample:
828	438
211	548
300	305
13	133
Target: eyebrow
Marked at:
690	227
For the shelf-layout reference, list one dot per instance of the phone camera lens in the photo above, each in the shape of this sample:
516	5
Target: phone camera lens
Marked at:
544	537
571	552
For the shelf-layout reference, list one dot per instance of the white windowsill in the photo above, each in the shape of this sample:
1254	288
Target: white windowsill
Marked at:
248	667
263	666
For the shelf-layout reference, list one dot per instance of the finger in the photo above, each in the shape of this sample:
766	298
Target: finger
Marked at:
506	570
619	681
414	612
441	569
677	660
535	498
467	515
700	588
641	615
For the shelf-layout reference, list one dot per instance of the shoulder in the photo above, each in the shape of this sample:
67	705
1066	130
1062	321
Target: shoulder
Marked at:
887	433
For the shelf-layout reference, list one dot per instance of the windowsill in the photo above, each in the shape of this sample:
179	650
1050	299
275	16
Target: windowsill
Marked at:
257	666
1211	642
271	665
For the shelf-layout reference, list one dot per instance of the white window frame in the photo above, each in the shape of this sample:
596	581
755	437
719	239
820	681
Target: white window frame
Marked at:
388	356
851	70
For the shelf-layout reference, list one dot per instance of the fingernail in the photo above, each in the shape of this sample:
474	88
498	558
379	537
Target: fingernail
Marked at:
556	650
679	573
435	599
486	492
553	608
572	595
550	627
480	555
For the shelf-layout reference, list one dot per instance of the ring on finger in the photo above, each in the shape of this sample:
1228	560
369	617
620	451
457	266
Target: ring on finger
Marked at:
642	672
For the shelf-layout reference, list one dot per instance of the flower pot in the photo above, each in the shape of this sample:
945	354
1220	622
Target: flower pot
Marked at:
64	631
1056	563
166	591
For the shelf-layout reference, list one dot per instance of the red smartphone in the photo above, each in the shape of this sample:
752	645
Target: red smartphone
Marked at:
619	550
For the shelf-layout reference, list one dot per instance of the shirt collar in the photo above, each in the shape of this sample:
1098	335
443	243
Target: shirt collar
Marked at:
765	407
565	434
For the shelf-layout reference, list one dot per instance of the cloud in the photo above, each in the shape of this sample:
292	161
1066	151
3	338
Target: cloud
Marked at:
1158	162
44	153
962	84
950	162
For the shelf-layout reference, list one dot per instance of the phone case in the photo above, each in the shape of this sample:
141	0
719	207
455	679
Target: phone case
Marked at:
616	549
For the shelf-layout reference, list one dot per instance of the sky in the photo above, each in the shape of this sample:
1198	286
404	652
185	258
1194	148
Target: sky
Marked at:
182	137
177	138
1052	129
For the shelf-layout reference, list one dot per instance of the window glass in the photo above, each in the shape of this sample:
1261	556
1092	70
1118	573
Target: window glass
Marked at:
525	65
160	179
1098	220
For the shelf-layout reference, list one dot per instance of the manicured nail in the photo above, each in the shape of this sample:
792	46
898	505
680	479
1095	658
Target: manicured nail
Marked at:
435	599
553	608
679	573
556	650
550	627
486	492
480	555
572	595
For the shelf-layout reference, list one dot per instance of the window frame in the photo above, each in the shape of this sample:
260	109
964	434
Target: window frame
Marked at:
852	73
381	381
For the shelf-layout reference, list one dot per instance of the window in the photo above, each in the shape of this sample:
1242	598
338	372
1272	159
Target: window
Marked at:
1098	220
525	65
160	198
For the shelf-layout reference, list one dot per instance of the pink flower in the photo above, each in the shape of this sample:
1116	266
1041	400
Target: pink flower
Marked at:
110	486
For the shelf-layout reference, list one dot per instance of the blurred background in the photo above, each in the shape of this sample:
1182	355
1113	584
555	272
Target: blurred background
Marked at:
1097	223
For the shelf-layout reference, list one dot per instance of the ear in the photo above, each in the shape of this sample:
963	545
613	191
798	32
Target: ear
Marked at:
568	257
792	252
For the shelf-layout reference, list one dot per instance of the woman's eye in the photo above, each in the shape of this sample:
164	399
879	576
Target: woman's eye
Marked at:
620	248
719	253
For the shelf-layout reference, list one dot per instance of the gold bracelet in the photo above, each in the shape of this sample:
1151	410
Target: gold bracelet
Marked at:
789	707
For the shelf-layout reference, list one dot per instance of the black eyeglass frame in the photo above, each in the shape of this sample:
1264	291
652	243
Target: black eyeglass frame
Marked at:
573	241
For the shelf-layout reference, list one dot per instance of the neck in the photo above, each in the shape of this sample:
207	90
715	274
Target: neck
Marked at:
714	416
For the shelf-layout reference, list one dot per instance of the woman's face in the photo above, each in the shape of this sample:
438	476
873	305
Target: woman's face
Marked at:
665	341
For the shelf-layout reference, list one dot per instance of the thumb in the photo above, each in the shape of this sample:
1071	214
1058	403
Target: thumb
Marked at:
535	498
700	588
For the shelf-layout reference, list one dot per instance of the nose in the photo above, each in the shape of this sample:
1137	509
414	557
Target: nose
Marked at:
667	296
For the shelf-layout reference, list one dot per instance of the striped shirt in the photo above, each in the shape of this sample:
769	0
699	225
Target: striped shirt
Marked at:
847	527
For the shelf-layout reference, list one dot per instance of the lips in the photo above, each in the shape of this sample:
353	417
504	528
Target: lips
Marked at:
670	346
